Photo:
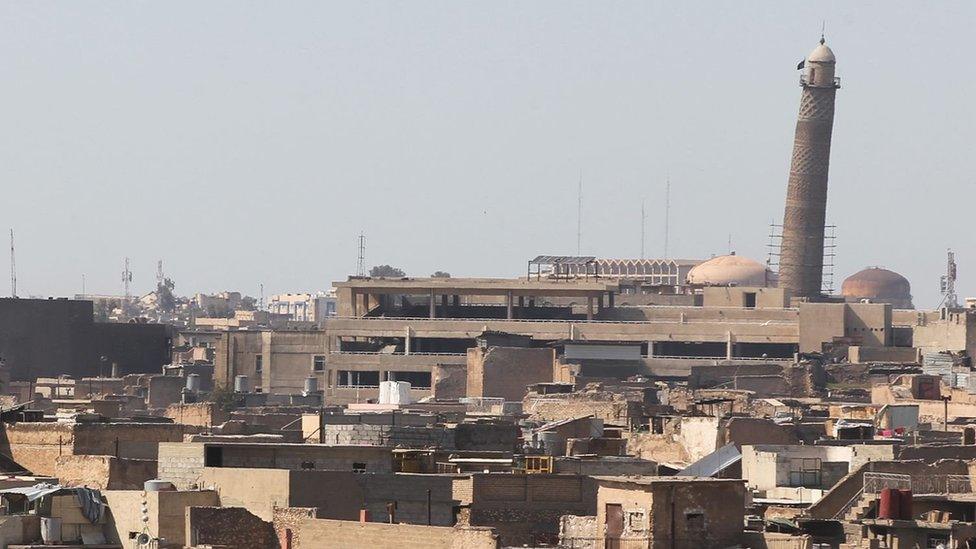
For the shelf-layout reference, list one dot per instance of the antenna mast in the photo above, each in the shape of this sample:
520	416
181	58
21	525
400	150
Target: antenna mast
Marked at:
579	216
126	291
948	282
361	267
643	227
13	267
667	217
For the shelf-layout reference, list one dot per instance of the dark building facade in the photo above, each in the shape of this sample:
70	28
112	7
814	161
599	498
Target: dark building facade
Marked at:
50	337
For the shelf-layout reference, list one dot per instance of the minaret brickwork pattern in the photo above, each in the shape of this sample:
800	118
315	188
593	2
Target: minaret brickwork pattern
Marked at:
802	249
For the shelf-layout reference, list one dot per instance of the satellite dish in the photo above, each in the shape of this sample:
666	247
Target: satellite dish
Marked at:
143	539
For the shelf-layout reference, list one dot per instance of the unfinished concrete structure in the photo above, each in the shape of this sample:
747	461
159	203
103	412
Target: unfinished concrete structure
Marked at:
801	254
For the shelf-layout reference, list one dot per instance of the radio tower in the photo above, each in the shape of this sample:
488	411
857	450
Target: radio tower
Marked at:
13	267
948	283
126	292
361	267
643	227
579	216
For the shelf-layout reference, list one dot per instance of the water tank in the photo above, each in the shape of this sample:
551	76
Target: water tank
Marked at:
888	507
51	530
240	384
311	385
193	383
158	486
549	442
906	504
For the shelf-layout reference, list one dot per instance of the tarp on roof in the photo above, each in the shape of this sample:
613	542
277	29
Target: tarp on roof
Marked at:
713	463
34	492
91	502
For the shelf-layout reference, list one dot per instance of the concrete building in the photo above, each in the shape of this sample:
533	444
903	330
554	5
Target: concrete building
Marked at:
801	258
305	307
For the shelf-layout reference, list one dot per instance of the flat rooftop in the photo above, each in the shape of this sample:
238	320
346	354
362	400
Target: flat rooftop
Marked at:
478	286
648	481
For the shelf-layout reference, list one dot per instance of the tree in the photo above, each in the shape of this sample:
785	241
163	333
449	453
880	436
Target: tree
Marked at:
441	274
165	297
386	271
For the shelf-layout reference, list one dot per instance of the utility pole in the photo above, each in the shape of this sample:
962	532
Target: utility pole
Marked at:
361	267
13	267
643	227
261	302
667	217
83	285
579	215
159	273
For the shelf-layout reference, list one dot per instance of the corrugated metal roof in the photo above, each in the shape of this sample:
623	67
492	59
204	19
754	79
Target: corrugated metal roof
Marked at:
34	492
713	463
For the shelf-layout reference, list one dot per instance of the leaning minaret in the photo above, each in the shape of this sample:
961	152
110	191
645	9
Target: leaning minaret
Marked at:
801	252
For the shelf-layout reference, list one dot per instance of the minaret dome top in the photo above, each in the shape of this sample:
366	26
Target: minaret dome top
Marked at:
821	54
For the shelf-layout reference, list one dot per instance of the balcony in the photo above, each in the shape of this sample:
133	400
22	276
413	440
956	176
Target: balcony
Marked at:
804	83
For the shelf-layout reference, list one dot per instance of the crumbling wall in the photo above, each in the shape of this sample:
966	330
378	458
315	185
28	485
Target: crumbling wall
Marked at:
449	381
228	526
578	532
200	414
104	472
663	447
338	534
287	524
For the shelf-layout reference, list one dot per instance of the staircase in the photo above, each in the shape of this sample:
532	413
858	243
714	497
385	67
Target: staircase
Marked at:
861	507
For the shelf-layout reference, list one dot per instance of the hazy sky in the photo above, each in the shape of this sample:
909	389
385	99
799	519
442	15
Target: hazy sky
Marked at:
246	142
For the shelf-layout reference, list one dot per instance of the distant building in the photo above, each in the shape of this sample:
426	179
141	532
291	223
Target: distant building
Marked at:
51	337
304	307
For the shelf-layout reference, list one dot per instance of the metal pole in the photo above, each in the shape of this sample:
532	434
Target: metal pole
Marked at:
428	507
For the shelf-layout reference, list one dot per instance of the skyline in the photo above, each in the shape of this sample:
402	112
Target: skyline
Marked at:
479	119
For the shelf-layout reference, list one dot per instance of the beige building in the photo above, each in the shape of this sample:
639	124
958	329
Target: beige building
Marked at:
669	512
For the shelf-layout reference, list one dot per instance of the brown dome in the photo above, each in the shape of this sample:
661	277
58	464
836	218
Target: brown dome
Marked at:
879	285
728	270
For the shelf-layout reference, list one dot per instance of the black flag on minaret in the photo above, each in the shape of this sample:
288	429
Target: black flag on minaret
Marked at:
801	64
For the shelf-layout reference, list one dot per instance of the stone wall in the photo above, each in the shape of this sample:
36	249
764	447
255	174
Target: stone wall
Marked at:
287	521
337	534
578	532
392	436
228	526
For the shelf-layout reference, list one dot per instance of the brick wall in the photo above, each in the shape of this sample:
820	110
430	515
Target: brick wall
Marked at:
506	371
228	526
337	534
526	509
